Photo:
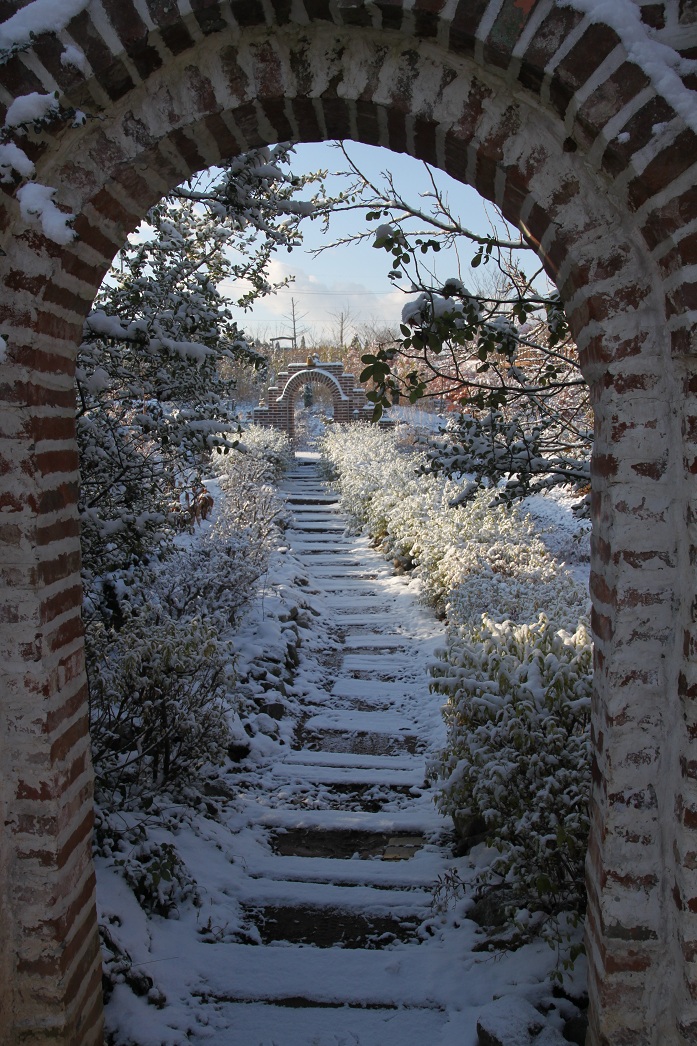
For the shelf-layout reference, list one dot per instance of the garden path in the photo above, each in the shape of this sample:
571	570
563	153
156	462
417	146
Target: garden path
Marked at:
356	843
316	862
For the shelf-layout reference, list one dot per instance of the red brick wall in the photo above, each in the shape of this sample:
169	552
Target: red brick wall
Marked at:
548	115
348	398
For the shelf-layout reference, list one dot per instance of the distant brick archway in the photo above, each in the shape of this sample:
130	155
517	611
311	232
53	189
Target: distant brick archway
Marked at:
550	115
347	396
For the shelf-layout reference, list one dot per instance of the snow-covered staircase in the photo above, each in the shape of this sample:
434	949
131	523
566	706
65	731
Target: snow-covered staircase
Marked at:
307	917
337	903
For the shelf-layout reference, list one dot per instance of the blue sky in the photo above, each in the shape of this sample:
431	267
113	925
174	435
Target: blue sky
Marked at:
353	279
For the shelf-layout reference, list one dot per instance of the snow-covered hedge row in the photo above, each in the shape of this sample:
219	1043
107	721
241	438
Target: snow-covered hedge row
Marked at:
471	559
516	669
518	713
269	445
160	649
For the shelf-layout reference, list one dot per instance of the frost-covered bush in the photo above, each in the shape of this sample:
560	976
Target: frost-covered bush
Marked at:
471	558
512	578
216	576
158	878
269	445
518	751
251	504
160	695
517	455
160	658
373	470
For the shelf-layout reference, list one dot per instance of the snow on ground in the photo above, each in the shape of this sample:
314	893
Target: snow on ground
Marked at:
311	920
566	536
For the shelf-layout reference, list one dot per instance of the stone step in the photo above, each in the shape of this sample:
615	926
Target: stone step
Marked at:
343	977
354	843
329	928
359	743
347	776
308	526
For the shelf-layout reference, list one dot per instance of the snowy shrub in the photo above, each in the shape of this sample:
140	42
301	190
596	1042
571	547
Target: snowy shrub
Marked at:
518	751
215	578
159	698
269	445
509	453
118	968
158	878
126	486
251	504
160	658
471	558
373	470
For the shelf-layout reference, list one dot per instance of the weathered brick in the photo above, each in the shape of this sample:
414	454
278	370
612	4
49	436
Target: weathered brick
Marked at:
597	42
671	162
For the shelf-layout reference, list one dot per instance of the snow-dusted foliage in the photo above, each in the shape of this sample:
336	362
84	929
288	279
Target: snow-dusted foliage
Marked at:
160	650
170	699
154	384
518	752
493	445
269	445
471	558
516	670
160	690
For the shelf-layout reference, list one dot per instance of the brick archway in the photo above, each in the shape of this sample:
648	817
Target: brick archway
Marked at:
348	398
549	115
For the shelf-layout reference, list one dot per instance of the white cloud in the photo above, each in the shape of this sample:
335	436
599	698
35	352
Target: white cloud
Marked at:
318	303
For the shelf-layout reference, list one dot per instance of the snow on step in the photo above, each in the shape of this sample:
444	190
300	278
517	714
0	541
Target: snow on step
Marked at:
311	498
350	618
373	601
368	690
377	661
353	585
320	539
354	569
405	875
312	514
258	1024
340	775
320	526
416	976
366	762
368	900
384	642
425	820
353	603
392	723
347	559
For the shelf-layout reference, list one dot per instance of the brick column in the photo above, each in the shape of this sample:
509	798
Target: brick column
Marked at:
50	963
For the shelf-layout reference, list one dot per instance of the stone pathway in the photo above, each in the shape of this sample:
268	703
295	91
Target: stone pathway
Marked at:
339	900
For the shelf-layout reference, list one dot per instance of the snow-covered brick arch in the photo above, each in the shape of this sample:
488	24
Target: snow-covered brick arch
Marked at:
584	132
348	398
